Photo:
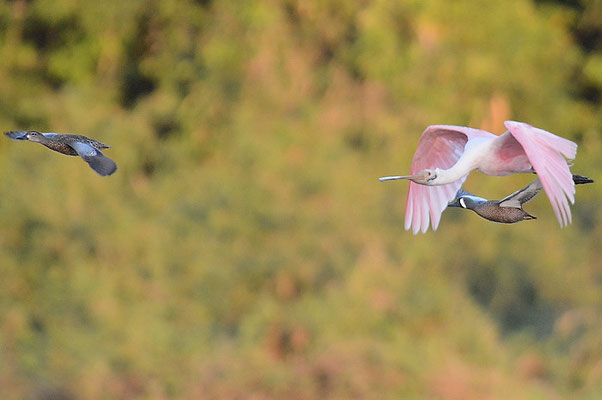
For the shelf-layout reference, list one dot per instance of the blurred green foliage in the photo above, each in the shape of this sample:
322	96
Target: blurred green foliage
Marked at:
245	248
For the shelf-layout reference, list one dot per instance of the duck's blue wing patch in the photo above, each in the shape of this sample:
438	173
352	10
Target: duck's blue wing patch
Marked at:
84	149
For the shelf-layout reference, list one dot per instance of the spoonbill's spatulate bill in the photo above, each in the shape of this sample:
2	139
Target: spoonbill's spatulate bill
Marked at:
446	154
508	210
72	145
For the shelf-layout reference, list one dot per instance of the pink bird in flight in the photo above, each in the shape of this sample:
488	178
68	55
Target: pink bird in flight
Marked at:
446	154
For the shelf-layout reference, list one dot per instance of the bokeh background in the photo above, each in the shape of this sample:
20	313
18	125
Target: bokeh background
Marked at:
245	248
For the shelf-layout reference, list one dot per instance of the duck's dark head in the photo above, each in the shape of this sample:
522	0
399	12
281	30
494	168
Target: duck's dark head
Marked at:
464	202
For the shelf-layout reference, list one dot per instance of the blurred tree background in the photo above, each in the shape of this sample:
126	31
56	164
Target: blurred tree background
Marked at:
245	248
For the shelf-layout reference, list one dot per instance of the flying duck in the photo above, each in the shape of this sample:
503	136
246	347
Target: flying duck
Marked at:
508	210
71	145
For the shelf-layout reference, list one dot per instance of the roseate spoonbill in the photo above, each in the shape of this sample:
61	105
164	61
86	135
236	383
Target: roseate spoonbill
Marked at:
71	145
508	210
446	154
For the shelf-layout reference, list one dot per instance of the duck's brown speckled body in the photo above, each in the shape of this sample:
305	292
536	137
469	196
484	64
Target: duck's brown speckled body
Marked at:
62	143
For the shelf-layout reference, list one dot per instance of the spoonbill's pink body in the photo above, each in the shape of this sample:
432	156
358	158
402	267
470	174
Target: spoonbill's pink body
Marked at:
446	154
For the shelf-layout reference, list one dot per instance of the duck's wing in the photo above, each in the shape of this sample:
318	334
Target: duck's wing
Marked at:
520	197
517	199
100	163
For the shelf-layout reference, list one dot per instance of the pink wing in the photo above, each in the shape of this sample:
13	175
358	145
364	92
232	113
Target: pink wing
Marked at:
547	154
440	146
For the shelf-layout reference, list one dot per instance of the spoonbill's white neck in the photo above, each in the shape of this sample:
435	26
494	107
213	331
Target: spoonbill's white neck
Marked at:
445	176
468	161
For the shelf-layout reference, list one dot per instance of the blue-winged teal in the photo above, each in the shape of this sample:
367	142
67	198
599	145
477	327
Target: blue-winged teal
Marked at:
508	210
71	145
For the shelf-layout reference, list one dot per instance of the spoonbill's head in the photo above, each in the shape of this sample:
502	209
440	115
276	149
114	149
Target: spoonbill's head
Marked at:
35	136
424	177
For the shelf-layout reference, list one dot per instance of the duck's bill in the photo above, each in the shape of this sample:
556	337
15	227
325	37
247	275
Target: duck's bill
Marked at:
16	135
